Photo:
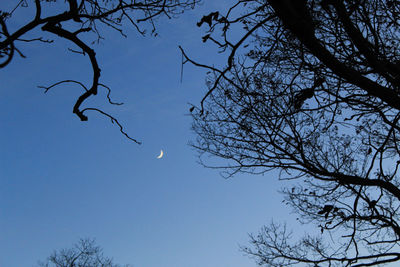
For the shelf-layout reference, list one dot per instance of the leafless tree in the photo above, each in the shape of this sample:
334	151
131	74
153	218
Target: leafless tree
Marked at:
311	88
84	254
72	20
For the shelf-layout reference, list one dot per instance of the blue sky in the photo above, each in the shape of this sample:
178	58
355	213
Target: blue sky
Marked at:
62	179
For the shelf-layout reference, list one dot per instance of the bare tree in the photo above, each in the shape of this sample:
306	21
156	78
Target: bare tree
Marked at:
72	20
312	89
83	254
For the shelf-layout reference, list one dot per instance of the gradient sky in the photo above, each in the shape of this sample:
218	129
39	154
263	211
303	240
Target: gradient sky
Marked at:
62	179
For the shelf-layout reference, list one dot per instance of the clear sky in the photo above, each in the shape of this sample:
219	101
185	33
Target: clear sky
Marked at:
62	179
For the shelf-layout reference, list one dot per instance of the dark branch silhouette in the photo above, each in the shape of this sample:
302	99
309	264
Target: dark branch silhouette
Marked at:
82	17
311	88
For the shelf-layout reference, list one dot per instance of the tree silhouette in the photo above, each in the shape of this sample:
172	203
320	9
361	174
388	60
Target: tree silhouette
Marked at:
311	88
73	21
83	254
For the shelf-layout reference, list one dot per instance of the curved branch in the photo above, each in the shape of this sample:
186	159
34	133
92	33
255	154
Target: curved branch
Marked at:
50	27
121	129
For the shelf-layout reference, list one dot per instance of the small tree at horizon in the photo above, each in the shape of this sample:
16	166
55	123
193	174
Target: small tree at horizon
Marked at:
85	253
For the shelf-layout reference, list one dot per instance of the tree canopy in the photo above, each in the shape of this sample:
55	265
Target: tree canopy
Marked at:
312	89
85	253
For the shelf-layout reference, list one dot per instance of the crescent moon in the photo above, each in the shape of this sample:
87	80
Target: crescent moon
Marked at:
161	154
